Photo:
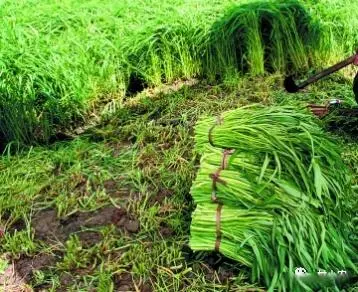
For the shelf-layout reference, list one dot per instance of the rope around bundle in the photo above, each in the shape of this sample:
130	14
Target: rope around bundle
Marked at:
277	199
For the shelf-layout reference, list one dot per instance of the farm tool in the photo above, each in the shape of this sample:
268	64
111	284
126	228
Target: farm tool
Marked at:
333	107
292	87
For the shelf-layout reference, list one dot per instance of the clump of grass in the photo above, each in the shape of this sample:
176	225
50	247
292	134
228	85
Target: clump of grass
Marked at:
260	36
168	53
283	191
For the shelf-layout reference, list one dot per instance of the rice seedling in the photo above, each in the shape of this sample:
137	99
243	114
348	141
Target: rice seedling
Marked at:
57	59
168	53
236	226
271	246
338	21
260	36
286	143
277	167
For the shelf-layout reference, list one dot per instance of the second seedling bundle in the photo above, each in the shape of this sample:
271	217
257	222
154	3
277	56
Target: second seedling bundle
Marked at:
272	193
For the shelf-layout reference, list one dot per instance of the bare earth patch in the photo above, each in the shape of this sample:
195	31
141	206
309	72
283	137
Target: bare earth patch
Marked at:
26	266
49	228
124	283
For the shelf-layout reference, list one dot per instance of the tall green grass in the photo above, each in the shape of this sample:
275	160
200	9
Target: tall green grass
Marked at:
262	36
338	27
58	58
171	51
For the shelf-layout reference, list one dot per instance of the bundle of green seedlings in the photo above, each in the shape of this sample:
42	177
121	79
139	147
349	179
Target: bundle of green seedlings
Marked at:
271	193
262	36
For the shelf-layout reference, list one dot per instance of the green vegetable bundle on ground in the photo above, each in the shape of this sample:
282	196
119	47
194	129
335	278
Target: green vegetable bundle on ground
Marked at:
273	193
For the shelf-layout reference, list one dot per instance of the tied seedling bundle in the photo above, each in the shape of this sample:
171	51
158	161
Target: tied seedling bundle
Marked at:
272	193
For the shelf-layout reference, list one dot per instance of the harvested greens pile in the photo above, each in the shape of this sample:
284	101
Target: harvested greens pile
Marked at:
272	193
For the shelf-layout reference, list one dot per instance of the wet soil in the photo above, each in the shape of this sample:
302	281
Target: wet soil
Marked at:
26	266
51	229
48	227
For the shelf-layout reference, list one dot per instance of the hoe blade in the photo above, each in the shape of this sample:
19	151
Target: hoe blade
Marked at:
290	85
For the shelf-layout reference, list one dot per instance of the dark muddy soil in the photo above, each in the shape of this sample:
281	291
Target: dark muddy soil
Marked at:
217	267
17	226
49	228
124	283
66	280
89	238
161	195
165	230
26	266
114	190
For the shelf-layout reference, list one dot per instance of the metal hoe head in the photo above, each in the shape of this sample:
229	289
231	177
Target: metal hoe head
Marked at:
291	86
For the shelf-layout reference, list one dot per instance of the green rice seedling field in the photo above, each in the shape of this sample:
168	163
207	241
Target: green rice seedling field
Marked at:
105	108
58	60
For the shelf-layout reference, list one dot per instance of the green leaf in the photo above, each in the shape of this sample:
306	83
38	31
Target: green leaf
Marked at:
318	178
